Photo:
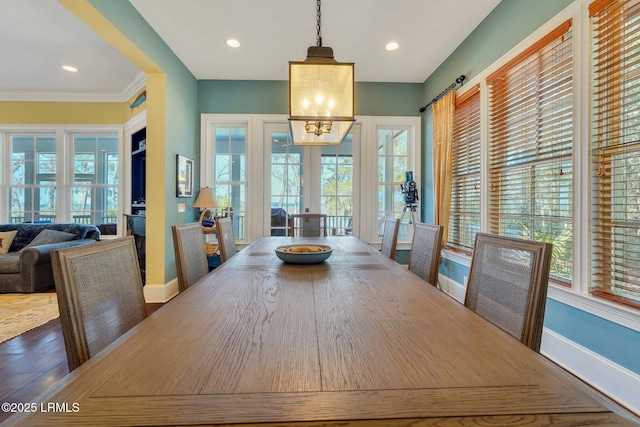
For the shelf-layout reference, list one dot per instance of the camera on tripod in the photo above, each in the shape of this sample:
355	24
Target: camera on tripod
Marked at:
409	190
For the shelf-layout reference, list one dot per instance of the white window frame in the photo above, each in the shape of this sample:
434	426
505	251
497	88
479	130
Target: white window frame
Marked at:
255	165
208	124
70	169
577	295
369	150
64	166
7	154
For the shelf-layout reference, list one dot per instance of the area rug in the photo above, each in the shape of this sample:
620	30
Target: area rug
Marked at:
20	313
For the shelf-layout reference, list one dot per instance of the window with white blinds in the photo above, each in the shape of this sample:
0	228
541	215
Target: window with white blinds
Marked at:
530	147
464	220
616	150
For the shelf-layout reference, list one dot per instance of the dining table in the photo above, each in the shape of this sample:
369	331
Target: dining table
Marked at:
355	340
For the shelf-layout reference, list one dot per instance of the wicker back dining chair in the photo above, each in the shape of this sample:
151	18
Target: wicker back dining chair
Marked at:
508	285
99	290
308	225
390	237
226	238
191	255
424	259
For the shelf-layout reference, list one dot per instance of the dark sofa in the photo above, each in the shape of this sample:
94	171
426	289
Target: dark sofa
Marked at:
26	268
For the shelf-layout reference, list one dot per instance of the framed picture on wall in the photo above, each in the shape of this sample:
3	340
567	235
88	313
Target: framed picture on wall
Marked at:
184	176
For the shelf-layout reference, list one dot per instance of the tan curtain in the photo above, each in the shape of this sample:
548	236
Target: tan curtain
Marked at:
443	111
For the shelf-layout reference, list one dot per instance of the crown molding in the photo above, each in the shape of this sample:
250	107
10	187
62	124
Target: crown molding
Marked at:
51	96
60	96
139	82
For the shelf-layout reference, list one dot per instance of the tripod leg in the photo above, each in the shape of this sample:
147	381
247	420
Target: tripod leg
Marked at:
415	217
404	211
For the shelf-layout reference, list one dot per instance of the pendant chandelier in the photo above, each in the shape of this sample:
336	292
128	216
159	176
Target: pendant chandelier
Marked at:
320	96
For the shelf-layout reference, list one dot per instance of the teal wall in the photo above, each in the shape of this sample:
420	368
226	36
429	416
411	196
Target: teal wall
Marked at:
614	342
243	97
271	97
388	99
508	24
182	120
454	271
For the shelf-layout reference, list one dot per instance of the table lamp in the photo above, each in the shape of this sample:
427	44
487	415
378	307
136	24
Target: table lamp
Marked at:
205	201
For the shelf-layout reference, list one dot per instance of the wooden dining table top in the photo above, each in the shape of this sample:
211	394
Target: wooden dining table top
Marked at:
356	340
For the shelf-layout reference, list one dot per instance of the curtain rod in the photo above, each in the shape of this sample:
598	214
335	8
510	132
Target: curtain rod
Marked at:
459	81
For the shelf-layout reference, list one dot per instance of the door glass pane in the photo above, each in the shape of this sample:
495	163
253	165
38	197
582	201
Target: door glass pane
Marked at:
286	181
229	175
336	192
393	148
311	179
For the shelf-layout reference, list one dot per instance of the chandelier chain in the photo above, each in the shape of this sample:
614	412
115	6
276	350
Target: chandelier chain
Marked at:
319	32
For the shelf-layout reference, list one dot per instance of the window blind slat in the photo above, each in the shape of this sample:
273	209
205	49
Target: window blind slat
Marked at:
464	219
552	36
620	42
530	147
598	6
615	59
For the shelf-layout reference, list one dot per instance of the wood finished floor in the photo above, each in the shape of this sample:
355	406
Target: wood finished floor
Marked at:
33	361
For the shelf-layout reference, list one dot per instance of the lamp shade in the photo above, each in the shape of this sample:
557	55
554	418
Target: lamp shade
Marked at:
320	98
205	199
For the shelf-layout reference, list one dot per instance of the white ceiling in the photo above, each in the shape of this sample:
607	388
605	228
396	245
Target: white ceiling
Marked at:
38	36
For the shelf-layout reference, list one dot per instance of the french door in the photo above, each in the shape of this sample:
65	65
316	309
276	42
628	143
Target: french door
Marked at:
314	179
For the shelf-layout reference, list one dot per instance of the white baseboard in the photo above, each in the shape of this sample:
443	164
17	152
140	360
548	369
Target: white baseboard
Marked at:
453	288
615	381
154	293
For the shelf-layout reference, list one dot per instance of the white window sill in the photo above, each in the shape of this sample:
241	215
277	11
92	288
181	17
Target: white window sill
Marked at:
457	257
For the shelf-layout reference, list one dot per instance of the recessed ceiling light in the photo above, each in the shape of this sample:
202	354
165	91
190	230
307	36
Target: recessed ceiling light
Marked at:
232	43
392	46
70	68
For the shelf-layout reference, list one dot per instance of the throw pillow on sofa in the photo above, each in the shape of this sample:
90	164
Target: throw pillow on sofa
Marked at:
5	240
46	237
